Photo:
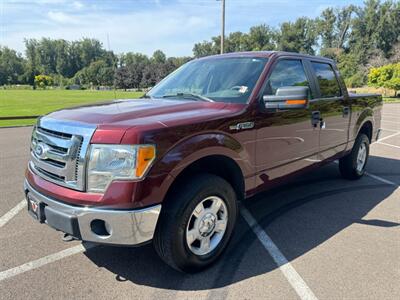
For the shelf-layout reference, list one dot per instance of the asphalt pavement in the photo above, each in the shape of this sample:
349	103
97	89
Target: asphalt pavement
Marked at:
318	237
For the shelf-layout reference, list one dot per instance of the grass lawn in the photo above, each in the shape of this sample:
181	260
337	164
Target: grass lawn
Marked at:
39	102
387	95
391	100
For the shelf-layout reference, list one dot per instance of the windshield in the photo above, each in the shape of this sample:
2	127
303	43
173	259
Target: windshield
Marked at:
221	80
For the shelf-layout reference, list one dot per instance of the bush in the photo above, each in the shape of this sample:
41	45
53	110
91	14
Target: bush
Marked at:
43	81
393	84
387	76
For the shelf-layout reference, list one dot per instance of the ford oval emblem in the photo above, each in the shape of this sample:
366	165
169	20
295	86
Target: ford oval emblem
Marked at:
41	150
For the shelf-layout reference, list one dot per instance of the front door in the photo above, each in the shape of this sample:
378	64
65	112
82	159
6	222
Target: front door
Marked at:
286	139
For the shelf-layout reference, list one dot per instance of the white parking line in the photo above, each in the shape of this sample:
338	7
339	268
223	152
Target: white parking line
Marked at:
388	137
388	145
381	179
386	129
284	265
43	261
376	177
397	123
12	213
390	115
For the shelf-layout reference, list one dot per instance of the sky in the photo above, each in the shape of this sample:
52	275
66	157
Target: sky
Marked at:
144	26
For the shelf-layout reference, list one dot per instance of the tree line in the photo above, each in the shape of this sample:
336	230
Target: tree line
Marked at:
357	37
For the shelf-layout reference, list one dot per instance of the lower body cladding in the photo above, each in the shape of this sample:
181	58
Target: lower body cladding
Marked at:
106	226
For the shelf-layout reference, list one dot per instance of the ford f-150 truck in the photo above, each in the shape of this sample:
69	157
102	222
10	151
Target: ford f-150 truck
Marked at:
172	166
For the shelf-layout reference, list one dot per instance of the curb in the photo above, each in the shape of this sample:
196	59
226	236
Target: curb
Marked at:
16	126
18	118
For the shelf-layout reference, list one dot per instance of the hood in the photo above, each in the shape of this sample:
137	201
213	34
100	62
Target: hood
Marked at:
136	112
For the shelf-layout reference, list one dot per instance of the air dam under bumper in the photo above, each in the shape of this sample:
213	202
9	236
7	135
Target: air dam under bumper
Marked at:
106	226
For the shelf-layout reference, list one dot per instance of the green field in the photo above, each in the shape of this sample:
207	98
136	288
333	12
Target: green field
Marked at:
391	100
39	102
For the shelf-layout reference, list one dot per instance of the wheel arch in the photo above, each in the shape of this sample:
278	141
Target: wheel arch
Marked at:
367	129
216	164
364	124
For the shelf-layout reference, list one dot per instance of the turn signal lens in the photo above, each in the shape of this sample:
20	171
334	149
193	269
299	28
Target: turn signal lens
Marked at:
296	102
145	156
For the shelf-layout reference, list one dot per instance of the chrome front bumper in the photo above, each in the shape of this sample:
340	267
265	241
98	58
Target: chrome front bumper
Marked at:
106	226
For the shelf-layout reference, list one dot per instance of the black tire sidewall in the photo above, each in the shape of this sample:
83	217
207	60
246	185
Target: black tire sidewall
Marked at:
208	185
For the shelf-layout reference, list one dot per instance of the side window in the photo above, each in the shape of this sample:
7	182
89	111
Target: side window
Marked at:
328	83
287	72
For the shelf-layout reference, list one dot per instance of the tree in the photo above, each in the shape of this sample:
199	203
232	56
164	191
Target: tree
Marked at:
159	57
326	25
90	50
260	37
357	37
205	48
123	78
11	66
31	69
131	58
98	73
300	36
43	81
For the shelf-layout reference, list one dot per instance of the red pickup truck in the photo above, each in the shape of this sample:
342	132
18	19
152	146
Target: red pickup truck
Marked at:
171	167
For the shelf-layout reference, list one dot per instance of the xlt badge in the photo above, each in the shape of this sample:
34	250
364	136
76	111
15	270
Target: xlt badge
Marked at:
241	126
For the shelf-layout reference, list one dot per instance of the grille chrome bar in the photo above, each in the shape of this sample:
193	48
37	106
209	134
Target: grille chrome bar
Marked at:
50	168
58	151
51	140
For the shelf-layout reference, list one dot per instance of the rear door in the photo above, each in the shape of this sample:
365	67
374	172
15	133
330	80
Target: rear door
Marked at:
333	108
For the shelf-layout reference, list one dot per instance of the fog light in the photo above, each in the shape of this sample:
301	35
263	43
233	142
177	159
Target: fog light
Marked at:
100	228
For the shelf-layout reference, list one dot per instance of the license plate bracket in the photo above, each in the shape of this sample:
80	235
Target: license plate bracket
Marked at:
35	208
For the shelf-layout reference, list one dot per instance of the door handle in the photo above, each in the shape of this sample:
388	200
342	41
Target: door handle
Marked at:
315	118
346	111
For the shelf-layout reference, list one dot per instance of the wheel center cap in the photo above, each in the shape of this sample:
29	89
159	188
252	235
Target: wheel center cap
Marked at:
207	224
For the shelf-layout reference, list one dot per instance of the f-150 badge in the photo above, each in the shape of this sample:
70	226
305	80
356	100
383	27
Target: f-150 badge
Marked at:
241	126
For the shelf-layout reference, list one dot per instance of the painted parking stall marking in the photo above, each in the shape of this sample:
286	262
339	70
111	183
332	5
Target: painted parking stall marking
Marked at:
295	280
43	261
12	213
390	145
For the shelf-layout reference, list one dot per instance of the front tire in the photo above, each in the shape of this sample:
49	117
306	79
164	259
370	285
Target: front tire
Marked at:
196	223
352	166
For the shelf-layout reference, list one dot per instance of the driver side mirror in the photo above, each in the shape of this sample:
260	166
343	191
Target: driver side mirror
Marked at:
287	97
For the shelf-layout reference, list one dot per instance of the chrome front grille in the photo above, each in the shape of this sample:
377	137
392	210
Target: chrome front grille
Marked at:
58	151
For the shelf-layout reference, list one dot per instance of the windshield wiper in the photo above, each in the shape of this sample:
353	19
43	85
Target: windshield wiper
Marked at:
146	96
189	95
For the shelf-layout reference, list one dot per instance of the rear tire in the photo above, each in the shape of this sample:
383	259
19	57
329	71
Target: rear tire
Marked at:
191	233
352	166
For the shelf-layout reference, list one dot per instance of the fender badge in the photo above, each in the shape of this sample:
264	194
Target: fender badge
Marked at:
241	126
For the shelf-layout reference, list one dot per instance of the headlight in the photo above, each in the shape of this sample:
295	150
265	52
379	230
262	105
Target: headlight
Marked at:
117	162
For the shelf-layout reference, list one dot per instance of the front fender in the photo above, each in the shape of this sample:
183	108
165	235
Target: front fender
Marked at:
199	146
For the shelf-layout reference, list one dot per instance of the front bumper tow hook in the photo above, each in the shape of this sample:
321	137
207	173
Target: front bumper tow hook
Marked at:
68	238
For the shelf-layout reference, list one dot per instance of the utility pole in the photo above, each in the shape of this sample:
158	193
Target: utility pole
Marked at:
223	26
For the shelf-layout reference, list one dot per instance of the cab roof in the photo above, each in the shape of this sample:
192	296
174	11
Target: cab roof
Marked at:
269	54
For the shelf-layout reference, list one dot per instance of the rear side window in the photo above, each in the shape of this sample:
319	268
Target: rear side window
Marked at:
328	83
287	72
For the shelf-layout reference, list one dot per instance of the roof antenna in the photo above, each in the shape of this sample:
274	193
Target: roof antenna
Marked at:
114	67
